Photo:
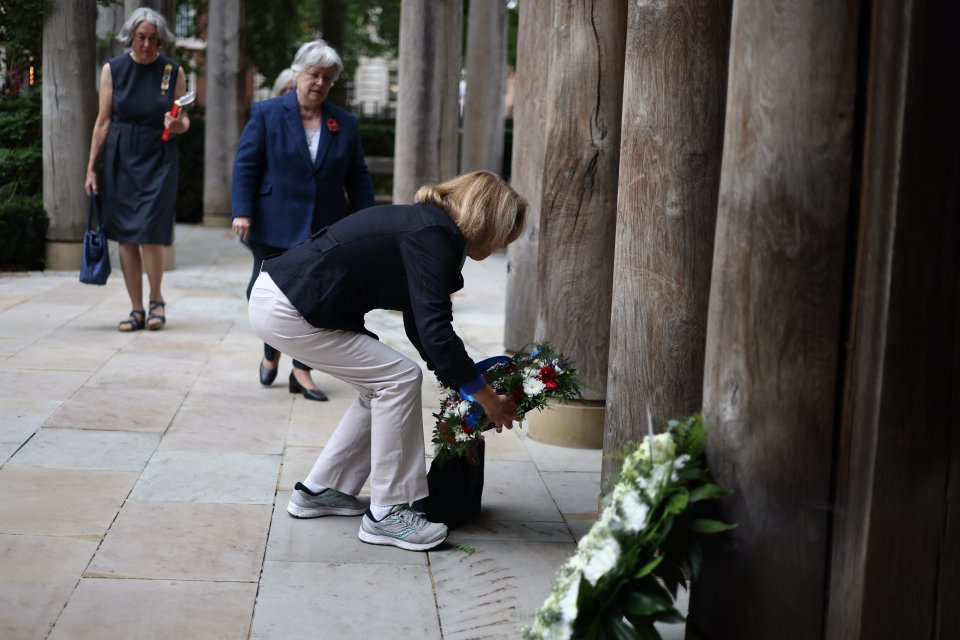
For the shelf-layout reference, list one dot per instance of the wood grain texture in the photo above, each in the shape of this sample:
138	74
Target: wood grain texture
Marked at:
896	552
578	206
481	147
772	336
674	98
224	103
69	110
526	175
428	112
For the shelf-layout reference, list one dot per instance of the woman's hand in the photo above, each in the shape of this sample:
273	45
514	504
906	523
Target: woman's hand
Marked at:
175	125
501	410
90	186
241	227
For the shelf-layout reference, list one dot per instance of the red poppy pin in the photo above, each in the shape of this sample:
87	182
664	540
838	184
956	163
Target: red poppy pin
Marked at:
333	126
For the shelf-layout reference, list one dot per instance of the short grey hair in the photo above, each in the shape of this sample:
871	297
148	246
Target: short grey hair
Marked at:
317	53
283	80
145	14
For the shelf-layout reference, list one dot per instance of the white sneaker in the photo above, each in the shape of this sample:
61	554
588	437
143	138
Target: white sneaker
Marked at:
402	527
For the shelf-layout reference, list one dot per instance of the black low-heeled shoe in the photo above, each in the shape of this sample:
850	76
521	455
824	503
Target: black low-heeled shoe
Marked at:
267	376
309	394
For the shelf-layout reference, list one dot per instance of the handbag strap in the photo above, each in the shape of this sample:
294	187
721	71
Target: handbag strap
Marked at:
93	208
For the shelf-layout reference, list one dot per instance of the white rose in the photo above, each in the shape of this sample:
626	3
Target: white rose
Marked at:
603	558
660	448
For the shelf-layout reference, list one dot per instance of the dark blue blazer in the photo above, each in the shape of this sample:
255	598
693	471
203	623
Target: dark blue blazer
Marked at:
275	183
401	257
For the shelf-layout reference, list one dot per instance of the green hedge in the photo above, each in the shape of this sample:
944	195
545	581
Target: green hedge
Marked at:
23	222
23	232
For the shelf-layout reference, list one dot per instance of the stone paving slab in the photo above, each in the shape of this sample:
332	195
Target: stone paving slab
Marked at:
37	576
184	541
87	449
85	503
493	590
185	476
310	600
103	609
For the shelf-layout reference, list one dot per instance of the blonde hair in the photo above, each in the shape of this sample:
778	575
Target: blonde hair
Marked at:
486	209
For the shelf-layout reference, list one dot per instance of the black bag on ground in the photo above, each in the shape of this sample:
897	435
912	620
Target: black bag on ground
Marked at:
95	261
456	487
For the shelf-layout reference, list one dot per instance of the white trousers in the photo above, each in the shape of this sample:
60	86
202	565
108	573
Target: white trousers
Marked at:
381	433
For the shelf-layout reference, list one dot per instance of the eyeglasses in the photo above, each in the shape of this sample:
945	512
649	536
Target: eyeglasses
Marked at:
323	78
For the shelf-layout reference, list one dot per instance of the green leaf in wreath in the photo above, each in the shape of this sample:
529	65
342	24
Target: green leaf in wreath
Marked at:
708	491
617	629
670	617
643	628
649	567
678	501
702	525
644	603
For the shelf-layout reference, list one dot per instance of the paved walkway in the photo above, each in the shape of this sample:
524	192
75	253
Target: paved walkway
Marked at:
144	478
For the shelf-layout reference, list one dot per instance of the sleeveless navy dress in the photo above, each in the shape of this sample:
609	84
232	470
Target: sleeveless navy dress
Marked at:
139	169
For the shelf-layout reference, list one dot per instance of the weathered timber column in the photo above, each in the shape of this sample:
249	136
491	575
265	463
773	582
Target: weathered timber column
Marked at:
482	146
775	302
428	112
224	90
896	520
674	96
526	174
69	109
579	206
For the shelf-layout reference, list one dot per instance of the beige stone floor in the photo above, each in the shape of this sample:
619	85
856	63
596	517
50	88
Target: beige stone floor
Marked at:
143	478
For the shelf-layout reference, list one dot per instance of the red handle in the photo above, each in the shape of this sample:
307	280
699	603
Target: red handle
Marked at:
174	110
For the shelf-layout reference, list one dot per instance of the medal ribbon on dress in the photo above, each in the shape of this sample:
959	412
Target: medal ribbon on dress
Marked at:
165	84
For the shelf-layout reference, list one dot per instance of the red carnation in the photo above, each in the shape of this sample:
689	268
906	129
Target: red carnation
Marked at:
518	394
548	376
333	125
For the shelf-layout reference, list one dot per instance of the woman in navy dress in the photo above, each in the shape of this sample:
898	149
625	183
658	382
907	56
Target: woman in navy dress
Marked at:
139	177
299	167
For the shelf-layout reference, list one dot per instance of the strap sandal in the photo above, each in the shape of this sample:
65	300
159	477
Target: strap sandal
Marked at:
155	320
134	323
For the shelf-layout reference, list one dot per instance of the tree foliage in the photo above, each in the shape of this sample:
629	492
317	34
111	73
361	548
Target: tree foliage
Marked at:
21	33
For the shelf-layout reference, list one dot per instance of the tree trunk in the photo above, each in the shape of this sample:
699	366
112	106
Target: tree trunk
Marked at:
674	97
775	302
69	110
109	22
895	561
332	31
223	112
482	147
427	105
579	202
526	175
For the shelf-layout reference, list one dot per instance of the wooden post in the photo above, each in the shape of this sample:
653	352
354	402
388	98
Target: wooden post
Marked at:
427	106
774	315
578	207
674	96
224	94
482	146
69	110
895	562
529	128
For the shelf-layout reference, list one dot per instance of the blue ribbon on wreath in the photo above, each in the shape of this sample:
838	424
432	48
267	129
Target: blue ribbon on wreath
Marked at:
483	365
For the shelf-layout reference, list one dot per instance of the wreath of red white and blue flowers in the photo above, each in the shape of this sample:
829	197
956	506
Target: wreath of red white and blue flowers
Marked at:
533	380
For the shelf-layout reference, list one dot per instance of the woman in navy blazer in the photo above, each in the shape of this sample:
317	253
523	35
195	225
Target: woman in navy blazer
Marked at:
311	303
298	161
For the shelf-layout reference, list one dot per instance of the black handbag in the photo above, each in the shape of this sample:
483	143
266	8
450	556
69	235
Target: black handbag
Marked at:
456	489
95	261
